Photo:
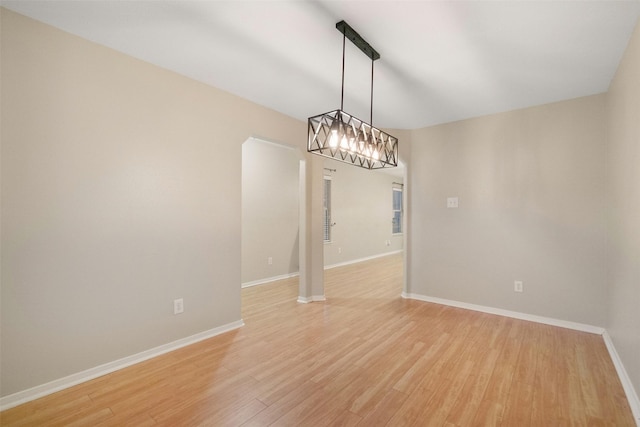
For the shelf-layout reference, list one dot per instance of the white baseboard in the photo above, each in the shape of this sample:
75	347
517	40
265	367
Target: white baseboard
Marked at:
355	261
33	393
269	279
314	298
632	396
507	313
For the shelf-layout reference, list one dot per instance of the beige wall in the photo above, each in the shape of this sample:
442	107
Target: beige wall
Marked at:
270	205
531	187
361	209
121	191
623	167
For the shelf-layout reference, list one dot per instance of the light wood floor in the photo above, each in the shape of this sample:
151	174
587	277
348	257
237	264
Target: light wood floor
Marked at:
364	357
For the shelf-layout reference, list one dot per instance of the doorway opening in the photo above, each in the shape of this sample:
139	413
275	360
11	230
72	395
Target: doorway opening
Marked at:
364	226
271	215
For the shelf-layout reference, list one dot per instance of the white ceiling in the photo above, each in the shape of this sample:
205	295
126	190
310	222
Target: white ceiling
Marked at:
440	61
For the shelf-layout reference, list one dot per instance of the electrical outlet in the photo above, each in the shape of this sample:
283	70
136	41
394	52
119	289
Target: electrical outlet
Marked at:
178	306
452	202
518	286
270	260
339	250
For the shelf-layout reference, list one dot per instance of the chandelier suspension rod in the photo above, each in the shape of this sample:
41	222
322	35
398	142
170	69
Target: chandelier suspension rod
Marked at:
344	39
366	48
371	111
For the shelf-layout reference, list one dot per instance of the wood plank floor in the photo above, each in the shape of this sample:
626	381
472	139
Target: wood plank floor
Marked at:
364	357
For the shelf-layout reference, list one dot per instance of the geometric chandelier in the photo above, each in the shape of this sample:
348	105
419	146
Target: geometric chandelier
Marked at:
341	136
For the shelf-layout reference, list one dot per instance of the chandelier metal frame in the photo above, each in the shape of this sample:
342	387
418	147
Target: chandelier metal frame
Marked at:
342	136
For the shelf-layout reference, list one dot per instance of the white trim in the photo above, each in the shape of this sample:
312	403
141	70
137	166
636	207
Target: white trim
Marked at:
355	261
326	209
507	313
278	144
399	189
627	385
313	298
36	392
269	279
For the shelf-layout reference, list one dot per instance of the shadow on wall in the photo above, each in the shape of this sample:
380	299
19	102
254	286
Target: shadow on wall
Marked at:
294	259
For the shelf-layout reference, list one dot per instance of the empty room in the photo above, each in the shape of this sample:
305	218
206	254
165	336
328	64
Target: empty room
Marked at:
307	213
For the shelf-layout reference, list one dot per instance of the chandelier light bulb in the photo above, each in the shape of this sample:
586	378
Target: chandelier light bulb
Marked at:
344	144
333	140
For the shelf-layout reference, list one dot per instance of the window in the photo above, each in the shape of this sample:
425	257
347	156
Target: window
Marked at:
397	211
326	202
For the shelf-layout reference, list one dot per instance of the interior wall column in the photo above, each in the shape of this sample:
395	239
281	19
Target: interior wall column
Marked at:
317	224
311	286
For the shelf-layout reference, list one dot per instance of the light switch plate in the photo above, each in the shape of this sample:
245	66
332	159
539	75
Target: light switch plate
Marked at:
178	306
518	286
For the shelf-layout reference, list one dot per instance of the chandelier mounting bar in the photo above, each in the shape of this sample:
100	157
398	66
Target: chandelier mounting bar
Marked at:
357	40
